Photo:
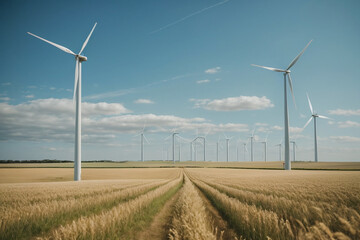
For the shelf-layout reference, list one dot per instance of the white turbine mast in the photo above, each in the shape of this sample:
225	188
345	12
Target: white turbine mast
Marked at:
294	146
286	73
227	139
252	145
314	115
279	145
142	137
265	147
77	95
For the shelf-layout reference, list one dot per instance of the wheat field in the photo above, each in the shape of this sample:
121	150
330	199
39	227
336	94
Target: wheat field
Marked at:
200	203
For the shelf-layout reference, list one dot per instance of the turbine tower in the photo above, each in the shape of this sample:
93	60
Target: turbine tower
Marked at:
142	137
227	146
265	148
294	150
245	151
314	116
252	145
279	145
286	73
77	93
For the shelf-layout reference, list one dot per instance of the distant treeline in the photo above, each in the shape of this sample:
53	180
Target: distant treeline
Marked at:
47	161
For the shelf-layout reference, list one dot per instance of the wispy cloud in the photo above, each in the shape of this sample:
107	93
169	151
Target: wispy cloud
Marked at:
143	101
6	84
122	92
29	96
188	16
203	81
348	124
234	103
345	112
4	99
345	138
213	70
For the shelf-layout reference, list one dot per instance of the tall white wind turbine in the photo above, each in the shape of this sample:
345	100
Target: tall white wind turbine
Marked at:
314	115
286	73
77	93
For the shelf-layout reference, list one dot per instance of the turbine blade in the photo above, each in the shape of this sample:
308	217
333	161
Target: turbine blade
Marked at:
291	89
321	116
298	56
311	108
146	139
54	44
87	39
269	68
76	77
308	122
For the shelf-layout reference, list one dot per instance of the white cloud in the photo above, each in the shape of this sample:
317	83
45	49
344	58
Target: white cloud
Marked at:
345	139
29	96
4	99
32	87
203	81
345	112
53	120
276	127
143	101
348	124
52	88
6	84
212	70
52	149
261	124
234	103
296	130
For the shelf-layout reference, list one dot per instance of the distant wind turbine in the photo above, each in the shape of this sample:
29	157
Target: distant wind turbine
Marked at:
265	147
314	116
245	150
294	149
77	93
279	145
142	137
227	147
252	145
286	116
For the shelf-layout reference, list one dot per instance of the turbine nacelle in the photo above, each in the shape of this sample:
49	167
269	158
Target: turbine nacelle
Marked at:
81	58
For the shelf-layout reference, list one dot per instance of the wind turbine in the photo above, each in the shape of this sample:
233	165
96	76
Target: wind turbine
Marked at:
265	147
286	116
252	145
245	150
279	145
294	149
77	93
227	147
314	115
142	137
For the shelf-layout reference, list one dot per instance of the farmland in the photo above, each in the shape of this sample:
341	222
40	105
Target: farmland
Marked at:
179	203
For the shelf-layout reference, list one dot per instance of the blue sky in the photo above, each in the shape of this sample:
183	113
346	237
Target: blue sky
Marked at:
178	64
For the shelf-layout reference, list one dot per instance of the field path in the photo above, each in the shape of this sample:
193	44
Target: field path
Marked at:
217	219
160	225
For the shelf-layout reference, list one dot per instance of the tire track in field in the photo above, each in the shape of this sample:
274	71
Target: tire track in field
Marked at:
158	230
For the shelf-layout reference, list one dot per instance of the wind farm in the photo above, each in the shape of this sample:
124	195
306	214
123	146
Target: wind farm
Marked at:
176	133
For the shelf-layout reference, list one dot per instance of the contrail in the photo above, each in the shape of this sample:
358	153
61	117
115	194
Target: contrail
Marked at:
188	16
